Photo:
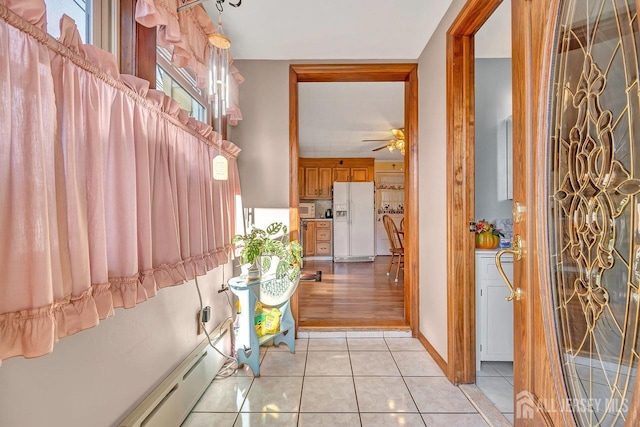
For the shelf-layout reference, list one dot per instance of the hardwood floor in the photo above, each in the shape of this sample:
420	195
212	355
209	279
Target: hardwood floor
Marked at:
352	296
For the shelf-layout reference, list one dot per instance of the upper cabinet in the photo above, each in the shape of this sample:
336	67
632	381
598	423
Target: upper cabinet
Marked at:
354	174
317	183
361	175
341	174
317	175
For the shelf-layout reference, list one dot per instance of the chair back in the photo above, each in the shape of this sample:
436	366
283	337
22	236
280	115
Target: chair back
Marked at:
392	233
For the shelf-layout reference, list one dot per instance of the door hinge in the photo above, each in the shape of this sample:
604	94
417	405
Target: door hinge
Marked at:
472	227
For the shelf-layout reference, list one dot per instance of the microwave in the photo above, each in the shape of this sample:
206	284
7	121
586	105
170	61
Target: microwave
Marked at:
307	210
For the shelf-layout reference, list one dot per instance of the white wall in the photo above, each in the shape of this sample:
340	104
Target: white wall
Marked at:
432	128
96	377
493	106
263	134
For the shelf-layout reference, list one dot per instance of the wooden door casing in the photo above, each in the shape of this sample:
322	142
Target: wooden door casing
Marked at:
387	72
539	388
301	186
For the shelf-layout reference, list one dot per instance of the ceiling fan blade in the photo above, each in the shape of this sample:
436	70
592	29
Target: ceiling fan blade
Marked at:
380	148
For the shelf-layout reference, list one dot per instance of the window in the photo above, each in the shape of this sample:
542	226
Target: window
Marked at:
96	20
179	84
78	10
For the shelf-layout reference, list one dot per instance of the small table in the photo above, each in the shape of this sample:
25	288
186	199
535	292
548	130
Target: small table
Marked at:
248	293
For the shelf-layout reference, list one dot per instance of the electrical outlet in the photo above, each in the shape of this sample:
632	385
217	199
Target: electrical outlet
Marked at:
198	319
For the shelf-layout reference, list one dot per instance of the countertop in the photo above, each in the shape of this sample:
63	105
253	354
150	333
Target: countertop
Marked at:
489	251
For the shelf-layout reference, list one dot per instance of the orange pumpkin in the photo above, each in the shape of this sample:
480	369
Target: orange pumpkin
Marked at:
487	240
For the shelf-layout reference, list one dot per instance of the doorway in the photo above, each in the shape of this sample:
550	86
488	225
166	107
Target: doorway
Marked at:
570	293
406	73
493	205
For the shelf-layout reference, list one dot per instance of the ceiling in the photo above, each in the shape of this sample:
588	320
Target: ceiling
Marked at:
336	117
329	29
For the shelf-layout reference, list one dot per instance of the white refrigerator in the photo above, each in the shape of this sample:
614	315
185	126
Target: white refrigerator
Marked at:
353	222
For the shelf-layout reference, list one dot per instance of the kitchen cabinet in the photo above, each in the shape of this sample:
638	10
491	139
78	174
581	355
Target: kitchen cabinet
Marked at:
494	315
341	174
316	176
360	175
324	238
318	238
309	239
317	183
356	174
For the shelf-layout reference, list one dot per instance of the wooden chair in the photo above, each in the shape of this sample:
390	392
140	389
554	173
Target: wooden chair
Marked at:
396	242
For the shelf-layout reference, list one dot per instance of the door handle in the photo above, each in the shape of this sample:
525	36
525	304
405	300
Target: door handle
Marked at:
516	251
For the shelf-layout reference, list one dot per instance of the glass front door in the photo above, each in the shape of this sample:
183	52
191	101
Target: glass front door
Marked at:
594	186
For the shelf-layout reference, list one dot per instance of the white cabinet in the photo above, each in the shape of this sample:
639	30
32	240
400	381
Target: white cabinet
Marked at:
494	315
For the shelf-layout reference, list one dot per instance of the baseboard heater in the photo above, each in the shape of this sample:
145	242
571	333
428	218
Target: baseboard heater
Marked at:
169	404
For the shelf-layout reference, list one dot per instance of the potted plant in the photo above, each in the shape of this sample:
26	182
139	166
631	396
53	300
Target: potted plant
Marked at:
260	247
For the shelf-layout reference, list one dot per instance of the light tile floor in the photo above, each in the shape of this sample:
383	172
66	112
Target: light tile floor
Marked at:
495	380
338	381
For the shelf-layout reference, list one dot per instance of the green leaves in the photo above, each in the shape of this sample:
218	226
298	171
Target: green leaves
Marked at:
260	243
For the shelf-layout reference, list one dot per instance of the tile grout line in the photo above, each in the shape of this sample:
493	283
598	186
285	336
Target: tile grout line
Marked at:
353	381
304	376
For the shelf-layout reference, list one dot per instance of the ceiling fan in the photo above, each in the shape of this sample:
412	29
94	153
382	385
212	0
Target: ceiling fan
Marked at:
397	143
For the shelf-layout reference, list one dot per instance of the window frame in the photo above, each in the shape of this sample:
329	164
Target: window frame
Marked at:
185	80
105	25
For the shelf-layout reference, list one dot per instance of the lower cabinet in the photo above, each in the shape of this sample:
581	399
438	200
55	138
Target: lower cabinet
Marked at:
494	315
309	240
323	238
318	238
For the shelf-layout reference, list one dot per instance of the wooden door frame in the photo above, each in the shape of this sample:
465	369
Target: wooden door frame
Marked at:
461	312
537	368
403	72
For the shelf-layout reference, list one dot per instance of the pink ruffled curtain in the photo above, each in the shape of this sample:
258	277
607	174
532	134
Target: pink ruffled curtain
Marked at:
106	188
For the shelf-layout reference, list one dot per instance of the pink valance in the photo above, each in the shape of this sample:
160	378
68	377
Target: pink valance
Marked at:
106	189
185	35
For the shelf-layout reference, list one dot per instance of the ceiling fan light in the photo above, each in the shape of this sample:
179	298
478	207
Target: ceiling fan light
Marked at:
398	133
391	147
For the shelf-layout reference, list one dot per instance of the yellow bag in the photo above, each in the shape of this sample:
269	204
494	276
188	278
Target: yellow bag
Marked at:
272	321
266	320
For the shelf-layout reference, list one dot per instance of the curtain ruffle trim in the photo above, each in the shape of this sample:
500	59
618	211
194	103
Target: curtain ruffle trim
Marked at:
184	33
32	333
89	58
